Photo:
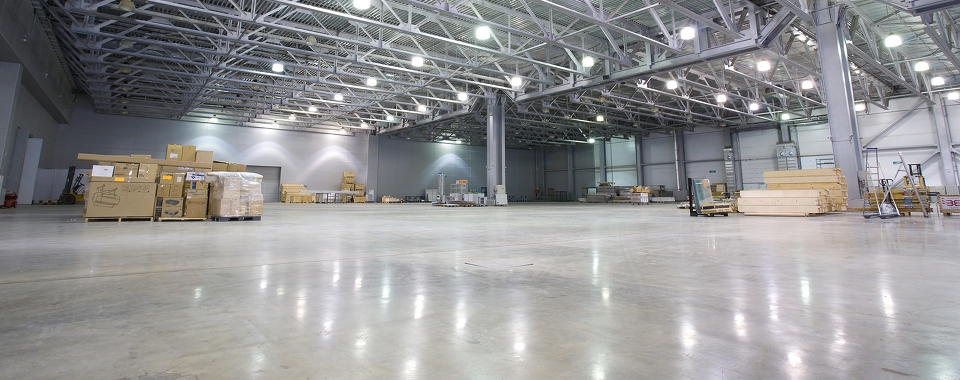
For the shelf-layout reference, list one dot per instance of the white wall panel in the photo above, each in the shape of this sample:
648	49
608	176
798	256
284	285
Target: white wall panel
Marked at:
556	180
661	174
584	156
703	170
658	150
758	144
555	158
521	172
705	145
622	152
917	130
814	140
585	178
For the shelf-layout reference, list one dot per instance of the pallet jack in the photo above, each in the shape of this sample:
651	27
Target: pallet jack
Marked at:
73	189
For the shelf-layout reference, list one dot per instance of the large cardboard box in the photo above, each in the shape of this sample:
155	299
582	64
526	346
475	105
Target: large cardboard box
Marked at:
140	156
220	166
358	186
111	199
234	167
174	152
149	171
349	174
346	187
348	180
195	188
126	170
172	178
182	169
195	207
189	153
205	156
169	190
169	207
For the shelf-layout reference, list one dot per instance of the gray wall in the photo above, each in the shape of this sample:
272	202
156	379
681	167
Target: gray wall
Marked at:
410	167
316	160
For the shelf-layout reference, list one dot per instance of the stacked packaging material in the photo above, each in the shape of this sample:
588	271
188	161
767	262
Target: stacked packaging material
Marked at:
235	194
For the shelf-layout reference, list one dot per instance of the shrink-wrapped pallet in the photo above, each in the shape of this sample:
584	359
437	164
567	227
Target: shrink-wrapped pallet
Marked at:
235	194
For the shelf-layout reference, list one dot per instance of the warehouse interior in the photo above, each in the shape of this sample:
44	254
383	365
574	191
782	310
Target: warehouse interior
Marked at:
594	141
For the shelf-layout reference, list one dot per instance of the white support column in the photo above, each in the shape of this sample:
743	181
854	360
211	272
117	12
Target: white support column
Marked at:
681	161
945	145
844	133
571	185
496	139
602	160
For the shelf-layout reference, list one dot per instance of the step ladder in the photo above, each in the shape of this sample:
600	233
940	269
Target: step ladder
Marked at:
876	190
913	177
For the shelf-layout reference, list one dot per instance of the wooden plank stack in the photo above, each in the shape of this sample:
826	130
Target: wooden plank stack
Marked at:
290	193
831	181
783	202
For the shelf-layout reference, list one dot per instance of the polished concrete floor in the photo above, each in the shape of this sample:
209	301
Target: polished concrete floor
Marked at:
385	292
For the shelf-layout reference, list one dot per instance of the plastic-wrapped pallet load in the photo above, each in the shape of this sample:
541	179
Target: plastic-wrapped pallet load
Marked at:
235	194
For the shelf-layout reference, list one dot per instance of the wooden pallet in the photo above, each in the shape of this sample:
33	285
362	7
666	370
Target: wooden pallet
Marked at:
234	218
805	214
458	205
180	219
120	219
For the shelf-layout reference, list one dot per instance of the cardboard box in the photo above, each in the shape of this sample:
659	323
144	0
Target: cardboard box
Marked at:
126	170
172	178
169	190
194	176
149	171
174	152
109	199
359	199
169	207
358	186
189	153
348	180
195	188
182	169
140	156
232	167
349	174
220	166
195	207
346	187
205	156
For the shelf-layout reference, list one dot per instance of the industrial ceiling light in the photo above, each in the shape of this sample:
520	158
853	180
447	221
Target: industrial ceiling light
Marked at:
687	33
588	61
126	44
763	66
785	116
483	33
671	84
421	108
953	95
390	118
802	37
459	142
921	66
721	98
127	6
600	118
343	130
364	125
516	81
462	96
277	67
591	140
371	81
312	109
937	81
416	61
859	107
214	119
892	40
807	84
338	97
291	117
361	4
311	40
754	106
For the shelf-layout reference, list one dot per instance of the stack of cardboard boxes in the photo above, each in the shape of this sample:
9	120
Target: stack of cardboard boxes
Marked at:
235	194
181	190
290	193
121	190
349	184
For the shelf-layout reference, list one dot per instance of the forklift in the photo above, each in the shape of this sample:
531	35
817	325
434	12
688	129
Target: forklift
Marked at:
73	188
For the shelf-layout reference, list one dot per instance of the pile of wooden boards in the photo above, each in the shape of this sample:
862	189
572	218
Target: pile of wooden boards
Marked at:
783	202
290	193
831	181
390	199
905	199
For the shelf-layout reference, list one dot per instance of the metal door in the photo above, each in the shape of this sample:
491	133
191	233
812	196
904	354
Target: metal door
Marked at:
271	181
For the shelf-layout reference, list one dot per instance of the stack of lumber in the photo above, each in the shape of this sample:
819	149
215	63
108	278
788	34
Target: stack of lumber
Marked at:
290	193
831	181
783	202
905	199
390	199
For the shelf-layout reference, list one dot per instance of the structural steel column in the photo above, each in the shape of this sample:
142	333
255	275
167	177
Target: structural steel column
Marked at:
603	161
638	142
570	183
541	162
681	162
838	91
496	138
10	74
945	144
